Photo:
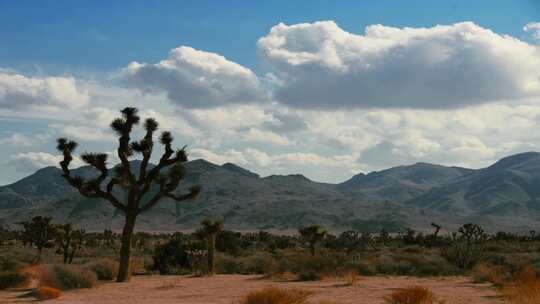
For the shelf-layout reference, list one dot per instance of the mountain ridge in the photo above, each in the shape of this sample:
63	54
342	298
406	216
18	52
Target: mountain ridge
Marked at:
505	195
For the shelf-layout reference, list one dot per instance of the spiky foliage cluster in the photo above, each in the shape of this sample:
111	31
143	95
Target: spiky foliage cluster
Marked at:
38	232
312	235
123	175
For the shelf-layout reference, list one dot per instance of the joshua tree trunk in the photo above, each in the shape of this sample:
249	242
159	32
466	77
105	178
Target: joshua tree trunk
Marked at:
127	235
211	252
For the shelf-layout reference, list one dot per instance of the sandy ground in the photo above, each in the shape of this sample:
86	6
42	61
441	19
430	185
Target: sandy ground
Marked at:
227	289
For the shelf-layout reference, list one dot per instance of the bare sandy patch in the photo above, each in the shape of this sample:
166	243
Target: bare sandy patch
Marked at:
227	289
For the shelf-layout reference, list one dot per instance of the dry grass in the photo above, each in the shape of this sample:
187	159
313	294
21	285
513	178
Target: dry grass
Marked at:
47	293
352	278
274	295
284	276
411	295
66	277
488	273
525	289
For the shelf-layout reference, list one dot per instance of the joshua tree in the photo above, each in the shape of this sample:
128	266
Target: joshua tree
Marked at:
437	229
40	233
69	241
211	228
153	185
312	235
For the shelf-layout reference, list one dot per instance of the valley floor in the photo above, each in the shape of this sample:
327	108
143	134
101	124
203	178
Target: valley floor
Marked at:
227	289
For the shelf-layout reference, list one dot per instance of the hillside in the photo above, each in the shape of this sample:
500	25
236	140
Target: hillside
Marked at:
505	196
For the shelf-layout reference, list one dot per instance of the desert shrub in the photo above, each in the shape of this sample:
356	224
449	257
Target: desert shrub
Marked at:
274	295
172	257
228	265
14	279
47	293
484	272
10	263
525	289
66	277
139	265
309	275
105	269
411	295
351	278
259	263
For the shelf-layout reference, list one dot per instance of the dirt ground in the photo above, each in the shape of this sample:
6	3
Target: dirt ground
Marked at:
227	289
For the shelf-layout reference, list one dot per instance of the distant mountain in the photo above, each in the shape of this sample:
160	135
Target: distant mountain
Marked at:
504	196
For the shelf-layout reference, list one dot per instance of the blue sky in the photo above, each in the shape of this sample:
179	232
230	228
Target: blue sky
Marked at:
103	35
341	87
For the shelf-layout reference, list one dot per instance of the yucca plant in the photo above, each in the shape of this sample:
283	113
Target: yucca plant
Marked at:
163	179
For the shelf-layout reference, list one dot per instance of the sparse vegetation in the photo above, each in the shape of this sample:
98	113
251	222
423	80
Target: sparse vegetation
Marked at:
105	269
274	295
411	295
65	277
14	279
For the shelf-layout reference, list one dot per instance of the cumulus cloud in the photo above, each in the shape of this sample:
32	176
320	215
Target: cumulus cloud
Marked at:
16	139
196	79
321	65
256	135
29	162
42	93
534	29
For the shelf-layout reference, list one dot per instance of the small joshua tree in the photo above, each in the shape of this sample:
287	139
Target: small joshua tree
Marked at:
312	235
153	184
211	228
40	233
69	241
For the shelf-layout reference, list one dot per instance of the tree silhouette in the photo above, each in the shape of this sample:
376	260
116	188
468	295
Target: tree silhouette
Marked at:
40	233
211	228
312	235
135	185
69	241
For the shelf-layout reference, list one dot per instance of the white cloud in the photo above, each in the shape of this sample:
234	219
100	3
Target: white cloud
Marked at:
196	79
533	28
29	162
16	139
256	135
323	66
19	92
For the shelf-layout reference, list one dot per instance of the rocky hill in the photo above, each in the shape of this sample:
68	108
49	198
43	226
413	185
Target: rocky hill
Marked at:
504	196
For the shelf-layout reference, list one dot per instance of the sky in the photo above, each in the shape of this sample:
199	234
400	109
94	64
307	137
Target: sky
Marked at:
327	89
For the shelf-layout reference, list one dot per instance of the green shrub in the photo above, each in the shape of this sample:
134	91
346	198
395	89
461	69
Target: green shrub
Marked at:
66	277
9	263
105	269
14	279
309	275
229	265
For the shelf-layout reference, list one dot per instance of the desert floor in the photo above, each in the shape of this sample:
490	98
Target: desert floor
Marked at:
227	289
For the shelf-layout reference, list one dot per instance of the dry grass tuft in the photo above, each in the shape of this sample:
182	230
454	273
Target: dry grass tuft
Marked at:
65	277
411	295
488	273
352	278
47	293
274	295
525	289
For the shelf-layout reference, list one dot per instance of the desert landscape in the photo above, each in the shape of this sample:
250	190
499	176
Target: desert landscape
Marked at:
228	289
270	152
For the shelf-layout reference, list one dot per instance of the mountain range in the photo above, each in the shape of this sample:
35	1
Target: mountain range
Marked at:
503	196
